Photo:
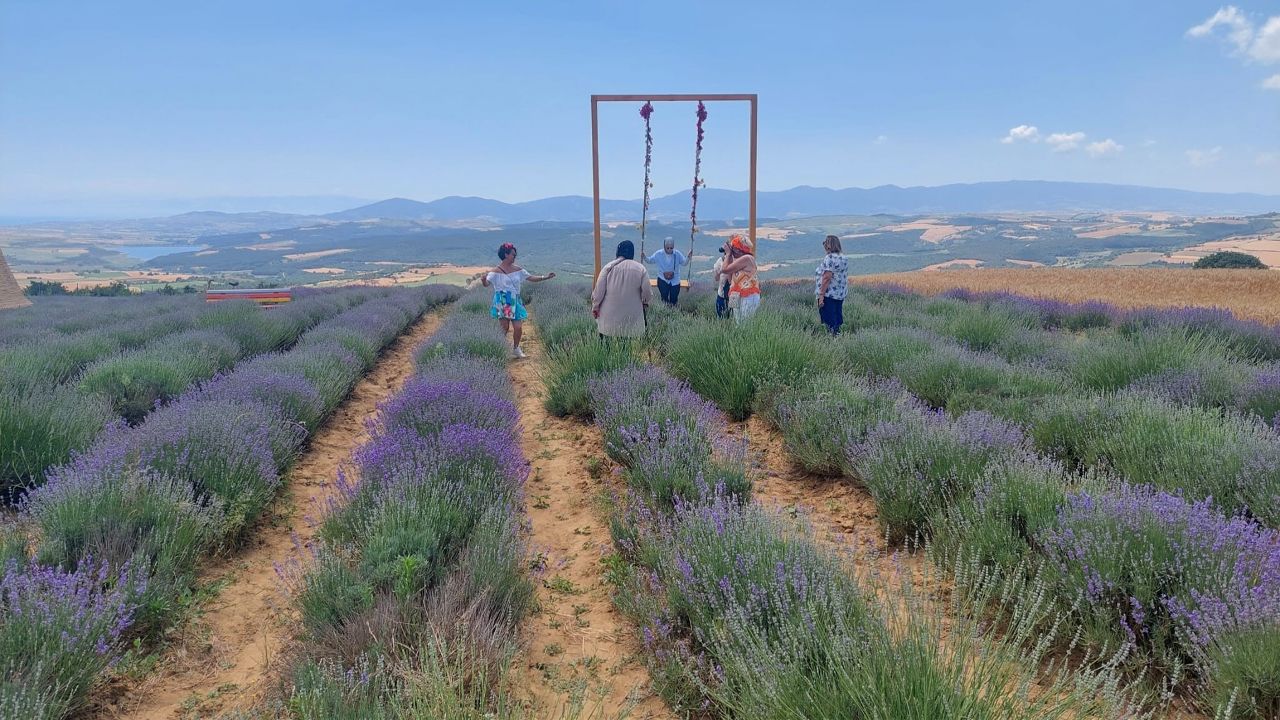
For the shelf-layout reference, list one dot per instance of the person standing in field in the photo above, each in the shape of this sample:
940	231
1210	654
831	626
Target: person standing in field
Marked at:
621	295
831	285
744	285
722	285
505	279
668	260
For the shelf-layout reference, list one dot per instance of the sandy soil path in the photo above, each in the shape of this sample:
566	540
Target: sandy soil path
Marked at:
229	656
582	653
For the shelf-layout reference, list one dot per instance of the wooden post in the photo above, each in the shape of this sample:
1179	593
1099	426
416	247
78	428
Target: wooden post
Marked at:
751	227
595	180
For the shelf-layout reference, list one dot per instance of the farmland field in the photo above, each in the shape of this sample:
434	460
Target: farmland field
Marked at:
1250	295
969	504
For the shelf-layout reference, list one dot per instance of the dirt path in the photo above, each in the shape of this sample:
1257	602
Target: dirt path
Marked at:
843	516
229	656
581	651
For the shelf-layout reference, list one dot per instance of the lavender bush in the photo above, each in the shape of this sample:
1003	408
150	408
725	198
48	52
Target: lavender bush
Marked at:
743	615
916	466
428	406
1014	500
131	518
1111	362
42	428
1170	576
293	396
463	335
667	437
819	417
476	372
958	379
1201	452
725	362
878	351
1260	395
58	630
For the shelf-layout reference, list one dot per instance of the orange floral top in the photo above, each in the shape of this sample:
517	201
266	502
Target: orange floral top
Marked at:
745	283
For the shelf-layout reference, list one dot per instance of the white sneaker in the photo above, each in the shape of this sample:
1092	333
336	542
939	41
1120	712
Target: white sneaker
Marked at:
517	352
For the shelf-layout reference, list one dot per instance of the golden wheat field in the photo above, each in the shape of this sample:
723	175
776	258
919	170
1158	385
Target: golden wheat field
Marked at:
1248	293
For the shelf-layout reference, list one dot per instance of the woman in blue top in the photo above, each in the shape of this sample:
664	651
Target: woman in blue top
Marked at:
831	285
505	279
668	260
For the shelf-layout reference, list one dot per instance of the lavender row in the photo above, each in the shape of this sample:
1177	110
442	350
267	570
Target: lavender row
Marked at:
56	352
145	503
418	579
743	615
1193	356
43	422
1178	581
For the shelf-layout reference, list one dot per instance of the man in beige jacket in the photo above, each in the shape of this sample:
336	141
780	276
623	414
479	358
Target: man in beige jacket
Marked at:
621	295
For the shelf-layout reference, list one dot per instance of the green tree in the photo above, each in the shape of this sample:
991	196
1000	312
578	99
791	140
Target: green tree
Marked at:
40	287
1230	259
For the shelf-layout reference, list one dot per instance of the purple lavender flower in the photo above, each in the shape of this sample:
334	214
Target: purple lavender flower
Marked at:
1171	570
62	628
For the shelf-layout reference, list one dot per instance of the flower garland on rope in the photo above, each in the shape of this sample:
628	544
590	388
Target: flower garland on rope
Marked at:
645	112
697	181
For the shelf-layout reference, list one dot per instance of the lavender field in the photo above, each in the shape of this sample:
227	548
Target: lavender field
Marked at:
1036	510
1095	490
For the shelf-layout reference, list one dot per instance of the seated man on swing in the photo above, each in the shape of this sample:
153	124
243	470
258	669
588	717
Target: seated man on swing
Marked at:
668	260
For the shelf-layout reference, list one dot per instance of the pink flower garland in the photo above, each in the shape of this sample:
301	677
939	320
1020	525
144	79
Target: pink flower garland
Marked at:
645	112
697	177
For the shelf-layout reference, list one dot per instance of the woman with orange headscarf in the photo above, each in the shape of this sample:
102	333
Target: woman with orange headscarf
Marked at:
744	286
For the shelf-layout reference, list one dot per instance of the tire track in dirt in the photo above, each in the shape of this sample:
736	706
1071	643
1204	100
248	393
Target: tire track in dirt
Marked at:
581	650
230	656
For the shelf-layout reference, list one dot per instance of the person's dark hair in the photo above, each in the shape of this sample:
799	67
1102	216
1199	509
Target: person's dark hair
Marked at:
504	250
627	249
832	244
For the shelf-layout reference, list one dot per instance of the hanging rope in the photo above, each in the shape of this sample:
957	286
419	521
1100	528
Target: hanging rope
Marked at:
697	182
645	112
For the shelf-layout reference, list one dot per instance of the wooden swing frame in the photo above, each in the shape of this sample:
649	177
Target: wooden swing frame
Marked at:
752	98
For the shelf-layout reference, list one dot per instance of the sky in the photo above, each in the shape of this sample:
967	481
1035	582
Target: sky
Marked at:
121	107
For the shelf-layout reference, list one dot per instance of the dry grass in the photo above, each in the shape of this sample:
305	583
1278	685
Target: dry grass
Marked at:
1248	293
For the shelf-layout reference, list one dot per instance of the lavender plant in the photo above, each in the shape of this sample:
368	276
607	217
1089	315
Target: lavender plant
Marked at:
820	416
725	362
42	428
916	466
1170	576
58	630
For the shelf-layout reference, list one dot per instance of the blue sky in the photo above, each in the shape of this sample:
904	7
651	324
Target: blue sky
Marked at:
107	106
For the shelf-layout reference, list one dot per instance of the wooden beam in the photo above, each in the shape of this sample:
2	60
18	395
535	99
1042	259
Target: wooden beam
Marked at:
711	97
595	180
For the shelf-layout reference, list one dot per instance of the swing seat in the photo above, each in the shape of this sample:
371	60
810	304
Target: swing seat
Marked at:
653	282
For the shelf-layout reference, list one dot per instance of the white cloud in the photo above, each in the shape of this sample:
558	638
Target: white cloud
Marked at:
1253	43
1065	142
1105	147
1149	143
1201	158
1272	83
881	139
1266	46
1030	133
1267	159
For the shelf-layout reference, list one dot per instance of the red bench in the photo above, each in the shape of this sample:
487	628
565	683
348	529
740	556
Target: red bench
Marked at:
262	296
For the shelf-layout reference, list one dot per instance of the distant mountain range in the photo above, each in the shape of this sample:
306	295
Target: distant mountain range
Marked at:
805	201
1016	196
